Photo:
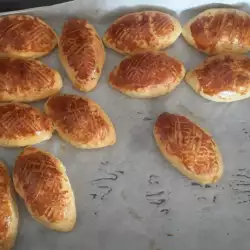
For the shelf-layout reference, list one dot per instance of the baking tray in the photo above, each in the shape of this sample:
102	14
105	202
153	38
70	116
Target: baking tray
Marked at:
120	213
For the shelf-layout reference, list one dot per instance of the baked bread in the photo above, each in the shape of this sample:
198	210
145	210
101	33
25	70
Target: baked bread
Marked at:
147	74
141	31
222	78
41	181
82	53
80	121
22	125
25	36
8	211
217	31
27	80
188	148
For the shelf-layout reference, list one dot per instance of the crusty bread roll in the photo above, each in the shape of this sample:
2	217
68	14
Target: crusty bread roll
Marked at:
27	80
188	148
8	211
41	181
80	121
222	78
82	53
216	31
22	125
141	31
25	36
147	74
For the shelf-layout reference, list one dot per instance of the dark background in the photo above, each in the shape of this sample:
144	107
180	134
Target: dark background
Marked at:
8	5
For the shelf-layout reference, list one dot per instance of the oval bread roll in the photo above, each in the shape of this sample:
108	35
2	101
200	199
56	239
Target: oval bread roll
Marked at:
80	121
22	125
147	74
41	181
222	78
141	31
8	211
27	80
82	53
216	31
25	36
188	148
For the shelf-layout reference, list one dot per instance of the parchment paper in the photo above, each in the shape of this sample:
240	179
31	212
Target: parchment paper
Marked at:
120	213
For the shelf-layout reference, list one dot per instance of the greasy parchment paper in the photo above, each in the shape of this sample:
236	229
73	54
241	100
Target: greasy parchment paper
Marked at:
119	213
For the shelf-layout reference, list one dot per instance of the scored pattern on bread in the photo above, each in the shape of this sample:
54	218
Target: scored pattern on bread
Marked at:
21	125
80	121
147	74
25	36
8	211
82	53
140	31
40	179
27	80
222	78
217	31
189	148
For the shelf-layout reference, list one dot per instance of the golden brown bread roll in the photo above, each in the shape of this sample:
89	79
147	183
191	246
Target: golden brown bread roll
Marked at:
27	80
22	125
188	148
222	78
8	211
216	31
147	74
80	121
41	181
25	36
142	31
82	53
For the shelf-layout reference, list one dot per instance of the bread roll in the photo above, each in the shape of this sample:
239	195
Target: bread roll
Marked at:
82	53
27	80
141	31
41	181
22	125
147	74
222	78
80	121
25	36
188	148
216	31
8	211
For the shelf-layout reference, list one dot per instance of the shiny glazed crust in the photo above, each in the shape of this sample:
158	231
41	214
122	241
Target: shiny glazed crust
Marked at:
25	36
27	80
22	125
141	31
41	181
222	78
188	148
216	31
82	53
147	74
80	121
8	211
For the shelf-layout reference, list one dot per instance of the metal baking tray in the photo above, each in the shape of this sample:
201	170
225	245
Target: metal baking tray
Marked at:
121	212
